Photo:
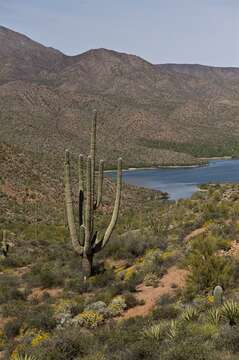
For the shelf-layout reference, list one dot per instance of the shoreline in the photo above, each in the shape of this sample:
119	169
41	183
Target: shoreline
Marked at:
217	158
175	166
160	167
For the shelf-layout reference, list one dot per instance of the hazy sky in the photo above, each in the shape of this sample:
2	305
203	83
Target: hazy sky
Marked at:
181	31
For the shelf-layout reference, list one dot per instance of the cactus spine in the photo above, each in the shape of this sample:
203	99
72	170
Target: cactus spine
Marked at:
218	295
85	240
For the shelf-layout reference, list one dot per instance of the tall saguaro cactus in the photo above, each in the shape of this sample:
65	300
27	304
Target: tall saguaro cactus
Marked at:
85	239
5	245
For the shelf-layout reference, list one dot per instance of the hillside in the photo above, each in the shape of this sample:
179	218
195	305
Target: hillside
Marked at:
151	294
166	286
150	114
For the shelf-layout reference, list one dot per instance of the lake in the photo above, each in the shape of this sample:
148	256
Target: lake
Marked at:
182	182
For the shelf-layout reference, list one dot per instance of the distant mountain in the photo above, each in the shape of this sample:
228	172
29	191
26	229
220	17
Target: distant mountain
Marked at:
24	59
150	114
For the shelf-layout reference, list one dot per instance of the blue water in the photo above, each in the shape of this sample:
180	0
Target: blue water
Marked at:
183	182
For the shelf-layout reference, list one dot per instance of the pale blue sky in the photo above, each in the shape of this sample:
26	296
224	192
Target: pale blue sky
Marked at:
180	31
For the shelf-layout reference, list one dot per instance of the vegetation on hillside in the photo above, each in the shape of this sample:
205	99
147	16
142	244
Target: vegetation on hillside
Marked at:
198	148
43	292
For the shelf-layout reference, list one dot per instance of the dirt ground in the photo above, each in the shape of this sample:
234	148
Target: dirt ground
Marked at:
170	282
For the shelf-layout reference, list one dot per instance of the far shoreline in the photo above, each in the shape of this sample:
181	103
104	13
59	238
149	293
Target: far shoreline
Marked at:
175	166
159	167
217	158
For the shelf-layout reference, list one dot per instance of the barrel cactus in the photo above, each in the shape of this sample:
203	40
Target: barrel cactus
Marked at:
86	240
218	295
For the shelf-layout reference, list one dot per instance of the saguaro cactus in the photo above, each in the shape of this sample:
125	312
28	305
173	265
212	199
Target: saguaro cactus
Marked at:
5	245
85	239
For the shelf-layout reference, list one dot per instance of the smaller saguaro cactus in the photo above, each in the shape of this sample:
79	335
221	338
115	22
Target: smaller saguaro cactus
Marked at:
218	295
5	245
85	239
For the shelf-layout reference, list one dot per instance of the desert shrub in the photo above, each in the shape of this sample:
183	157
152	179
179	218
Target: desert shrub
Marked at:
99	307
9	289
2	340
39	337
204	330
40	317
228	339
112	290
101	280
133	281
152	262
142	348
151	279
125	342
14	308
90	319
213	211
71	306
12	261
165	299
45	275
207	269
225	231
189	348
65	345
117	305
169	311
12	328
130	300
50	276
95	356
77	284
130	245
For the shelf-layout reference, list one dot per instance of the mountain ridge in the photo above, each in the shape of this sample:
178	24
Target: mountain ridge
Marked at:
150	114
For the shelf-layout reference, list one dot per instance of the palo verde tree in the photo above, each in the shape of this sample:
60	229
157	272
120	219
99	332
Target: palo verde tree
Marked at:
85	239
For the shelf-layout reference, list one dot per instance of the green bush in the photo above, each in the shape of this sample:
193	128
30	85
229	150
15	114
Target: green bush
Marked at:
65	345
189	348
165	312
130	300
207	269
129	245
12	328
228	339
46	275
9	289
151	279
41	317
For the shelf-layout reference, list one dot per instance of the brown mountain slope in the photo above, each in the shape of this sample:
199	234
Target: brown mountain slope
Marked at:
31	187
150	114
22	58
